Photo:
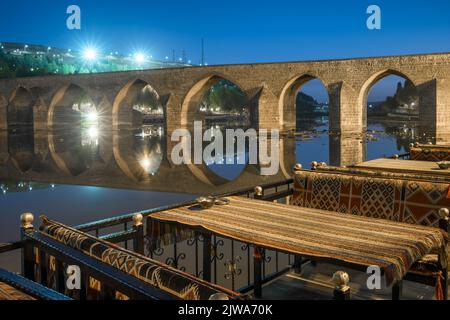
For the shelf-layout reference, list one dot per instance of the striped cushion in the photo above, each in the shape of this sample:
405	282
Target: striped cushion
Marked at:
173	281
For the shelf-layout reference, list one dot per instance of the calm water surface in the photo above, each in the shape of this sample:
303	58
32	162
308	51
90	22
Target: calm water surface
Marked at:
80	178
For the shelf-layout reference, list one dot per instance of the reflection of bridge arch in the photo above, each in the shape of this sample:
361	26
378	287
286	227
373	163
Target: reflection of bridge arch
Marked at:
66	134
369	83
140	158
287	102
192	99
122	111
20	108
20	129
21	149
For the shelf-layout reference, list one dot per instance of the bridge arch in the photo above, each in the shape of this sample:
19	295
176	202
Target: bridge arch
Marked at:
368	85
191	102
67	104
287	101
134	94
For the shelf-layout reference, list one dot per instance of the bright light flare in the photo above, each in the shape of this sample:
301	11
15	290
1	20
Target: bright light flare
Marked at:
93	133
90	54
92	116
146	163
139	57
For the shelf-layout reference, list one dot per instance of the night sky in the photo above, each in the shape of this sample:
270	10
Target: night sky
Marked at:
235	31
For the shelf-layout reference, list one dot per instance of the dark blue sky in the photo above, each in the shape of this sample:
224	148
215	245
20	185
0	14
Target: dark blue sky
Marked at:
235	31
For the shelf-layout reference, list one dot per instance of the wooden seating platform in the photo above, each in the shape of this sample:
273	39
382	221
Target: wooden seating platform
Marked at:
404	166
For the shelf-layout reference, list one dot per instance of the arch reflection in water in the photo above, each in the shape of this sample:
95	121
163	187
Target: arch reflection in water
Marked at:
140	153
21	148
75	132
226	164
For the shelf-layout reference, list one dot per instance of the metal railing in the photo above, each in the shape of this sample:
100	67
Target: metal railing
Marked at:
216	259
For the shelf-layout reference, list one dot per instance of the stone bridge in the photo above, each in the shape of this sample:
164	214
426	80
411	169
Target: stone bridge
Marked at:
271	89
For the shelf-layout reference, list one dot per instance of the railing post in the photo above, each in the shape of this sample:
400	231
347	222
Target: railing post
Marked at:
444	225
297	264
138	240
397	290
258	256
207	256
444	219
341	289
28	258
43	268
60	279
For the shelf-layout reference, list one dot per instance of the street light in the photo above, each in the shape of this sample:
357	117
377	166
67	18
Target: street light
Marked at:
90	54
139	57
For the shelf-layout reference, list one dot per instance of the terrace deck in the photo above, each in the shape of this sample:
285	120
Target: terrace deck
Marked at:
314	283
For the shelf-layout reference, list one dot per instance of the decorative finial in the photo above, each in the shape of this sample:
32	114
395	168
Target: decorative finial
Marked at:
444	213
27	220
259	191
137	219
323	164
298	167
411	145
416	144
396	156
219	296
314	165
341	280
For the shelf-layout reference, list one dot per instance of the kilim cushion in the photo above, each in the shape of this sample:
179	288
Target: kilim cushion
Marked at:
411	201
173	281
430	153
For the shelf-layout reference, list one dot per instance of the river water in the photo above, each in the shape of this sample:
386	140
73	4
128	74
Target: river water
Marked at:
80	178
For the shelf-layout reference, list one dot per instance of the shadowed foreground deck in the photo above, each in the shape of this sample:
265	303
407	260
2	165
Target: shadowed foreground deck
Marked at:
314	283
10	293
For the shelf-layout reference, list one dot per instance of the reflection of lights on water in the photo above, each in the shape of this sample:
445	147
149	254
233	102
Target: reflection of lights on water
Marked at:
92	116
52	186
146	163
90	136
92	132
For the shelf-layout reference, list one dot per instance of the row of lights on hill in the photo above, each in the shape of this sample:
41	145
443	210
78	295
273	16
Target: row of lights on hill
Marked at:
90	54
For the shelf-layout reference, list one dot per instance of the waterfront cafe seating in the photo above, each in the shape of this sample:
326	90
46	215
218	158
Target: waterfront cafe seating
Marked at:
126	269
396	197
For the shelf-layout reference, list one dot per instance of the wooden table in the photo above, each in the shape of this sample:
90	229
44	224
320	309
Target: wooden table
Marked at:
317	234
404	166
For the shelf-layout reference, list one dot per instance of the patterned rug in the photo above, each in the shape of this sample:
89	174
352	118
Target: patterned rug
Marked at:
430	153
358	240
412	201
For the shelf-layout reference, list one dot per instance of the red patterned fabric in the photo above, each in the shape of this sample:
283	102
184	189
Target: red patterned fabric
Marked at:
430	153
416	202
